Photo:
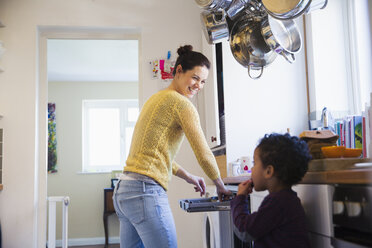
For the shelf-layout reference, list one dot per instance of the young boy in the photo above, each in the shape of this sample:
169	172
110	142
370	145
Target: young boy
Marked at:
280	161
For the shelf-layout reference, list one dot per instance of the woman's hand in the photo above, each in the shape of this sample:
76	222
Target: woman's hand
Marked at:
245	187
198	182
222	191
192	179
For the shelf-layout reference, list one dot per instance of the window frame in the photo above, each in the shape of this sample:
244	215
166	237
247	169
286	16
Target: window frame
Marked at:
123	105
353	88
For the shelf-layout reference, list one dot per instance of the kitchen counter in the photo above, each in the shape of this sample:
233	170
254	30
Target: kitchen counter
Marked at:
235	180
328	171
350	176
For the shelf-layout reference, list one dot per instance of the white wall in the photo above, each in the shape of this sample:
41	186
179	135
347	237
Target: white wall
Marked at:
273	103
85	190
164	26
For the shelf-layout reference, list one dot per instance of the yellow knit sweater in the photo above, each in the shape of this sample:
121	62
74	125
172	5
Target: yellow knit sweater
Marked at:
163	122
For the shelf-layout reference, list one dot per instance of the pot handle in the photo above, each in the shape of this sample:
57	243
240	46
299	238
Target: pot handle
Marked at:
221	16
249	72
288	56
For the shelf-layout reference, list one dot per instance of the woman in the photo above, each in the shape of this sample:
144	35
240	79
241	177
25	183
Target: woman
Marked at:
140	197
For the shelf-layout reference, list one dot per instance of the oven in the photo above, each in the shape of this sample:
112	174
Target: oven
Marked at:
218	231
352	216
316	200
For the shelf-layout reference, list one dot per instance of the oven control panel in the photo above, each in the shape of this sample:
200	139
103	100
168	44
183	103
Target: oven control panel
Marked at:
349	208
352	206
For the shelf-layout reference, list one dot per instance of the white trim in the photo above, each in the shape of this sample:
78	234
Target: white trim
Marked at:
89	241
92	172
354	61
310	62
348	54
43	34
353	89
41	143
350	47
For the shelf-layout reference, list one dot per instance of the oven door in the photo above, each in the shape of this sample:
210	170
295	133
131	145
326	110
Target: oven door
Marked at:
340	243
218	225
204	204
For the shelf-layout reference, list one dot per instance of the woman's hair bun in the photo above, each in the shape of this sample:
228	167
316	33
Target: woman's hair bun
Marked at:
184	49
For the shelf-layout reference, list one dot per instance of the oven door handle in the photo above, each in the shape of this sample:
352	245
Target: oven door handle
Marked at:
204	205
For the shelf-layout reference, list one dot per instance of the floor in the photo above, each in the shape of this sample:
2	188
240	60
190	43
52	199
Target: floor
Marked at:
96	246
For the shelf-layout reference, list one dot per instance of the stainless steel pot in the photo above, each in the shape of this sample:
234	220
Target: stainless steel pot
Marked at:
214	25
213	4
282	36
241	7
249	47
316	4
285	10
235	8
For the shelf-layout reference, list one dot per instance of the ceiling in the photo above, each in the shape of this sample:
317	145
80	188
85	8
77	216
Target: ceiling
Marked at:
92	60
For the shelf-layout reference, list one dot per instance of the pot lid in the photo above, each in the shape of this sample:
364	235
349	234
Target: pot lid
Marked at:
280	7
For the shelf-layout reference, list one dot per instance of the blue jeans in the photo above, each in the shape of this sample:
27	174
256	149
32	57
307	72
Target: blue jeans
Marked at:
145	217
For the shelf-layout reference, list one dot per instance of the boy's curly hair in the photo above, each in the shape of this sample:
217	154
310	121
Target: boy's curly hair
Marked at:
287	154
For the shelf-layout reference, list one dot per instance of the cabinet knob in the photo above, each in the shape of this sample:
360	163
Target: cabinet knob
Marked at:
213	139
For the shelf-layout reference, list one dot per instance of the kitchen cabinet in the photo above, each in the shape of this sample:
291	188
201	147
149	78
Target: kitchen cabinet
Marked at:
208	98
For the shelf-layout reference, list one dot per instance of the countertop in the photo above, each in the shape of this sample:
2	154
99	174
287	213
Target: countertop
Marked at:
328	171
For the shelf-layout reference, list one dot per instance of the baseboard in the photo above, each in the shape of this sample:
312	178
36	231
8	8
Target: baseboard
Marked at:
89	241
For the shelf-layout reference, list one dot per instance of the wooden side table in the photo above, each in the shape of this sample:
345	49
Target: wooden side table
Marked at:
108	209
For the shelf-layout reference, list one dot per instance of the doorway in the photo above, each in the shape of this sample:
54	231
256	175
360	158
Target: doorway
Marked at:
75	66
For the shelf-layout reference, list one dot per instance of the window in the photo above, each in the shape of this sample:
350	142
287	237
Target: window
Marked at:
107	133
338	55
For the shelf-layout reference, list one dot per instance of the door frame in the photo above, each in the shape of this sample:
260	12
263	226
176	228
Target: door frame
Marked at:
41	135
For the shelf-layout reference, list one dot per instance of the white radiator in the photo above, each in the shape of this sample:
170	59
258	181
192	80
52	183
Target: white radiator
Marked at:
52	220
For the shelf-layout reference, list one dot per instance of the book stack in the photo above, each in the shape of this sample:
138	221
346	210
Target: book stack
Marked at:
354	131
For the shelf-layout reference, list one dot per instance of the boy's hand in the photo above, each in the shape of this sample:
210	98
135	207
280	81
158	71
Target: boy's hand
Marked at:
245	188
